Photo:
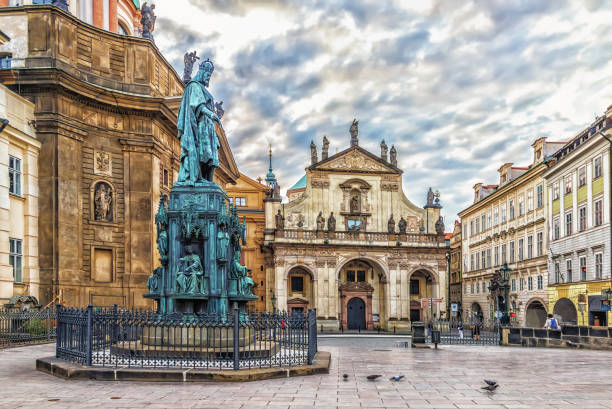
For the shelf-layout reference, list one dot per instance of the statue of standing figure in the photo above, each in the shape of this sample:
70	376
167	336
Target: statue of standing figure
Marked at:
189	59
320	222
391	225
147	20
354	131
402	225
313	153
331	222
280	220
196	130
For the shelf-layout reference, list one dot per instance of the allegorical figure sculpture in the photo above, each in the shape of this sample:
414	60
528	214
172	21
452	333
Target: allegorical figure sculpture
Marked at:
240	273
280	220
313	153
189	59
402	225
331	222
320	222
355	203
354	131
189	271
161	220
391	224
154	279
223	240
196	130
325	148
147	20
383	150
393	156
103	199
440	226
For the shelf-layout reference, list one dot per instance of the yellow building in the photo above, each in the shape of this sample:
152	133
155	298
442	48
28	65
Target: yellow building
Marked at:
578	180
19	149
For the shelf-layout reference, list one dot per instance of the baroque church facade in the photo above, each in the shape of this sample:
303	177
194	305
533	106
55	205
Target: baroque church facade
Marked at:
350	244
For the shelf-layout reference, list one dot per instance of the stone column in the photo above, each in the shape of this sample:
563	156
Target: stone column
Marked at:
98	13
113	22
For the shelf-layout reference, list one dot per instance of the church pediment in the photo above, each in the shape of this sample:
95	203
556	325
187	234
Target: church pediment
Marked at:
356	159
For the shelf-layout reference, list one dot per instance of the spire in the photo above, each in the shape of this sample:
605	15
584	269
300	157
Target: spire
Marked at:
270	177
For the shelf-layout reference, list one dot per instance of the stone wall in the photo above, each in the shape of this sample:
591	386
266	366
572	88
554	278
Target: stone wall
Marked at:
570	336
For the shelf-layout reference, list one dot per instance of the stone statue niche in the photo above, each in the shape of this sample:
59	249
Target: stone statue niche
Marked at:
103	202
355	202
199	235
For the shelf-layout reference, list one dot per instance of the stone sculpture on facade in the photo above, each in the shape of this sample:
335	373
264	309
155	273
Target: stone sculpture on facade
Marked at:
433	198
355	203
331	222
325	148
354	131
393	156
391	225
103	200
313	153
147	20
320	222
440	226
280	220
402	225
189	59
383	150
196	130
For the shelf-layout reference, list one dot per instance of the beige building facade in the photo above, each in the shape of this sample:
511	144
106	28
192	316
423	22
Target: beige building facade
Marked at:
350	244
19	150
506	224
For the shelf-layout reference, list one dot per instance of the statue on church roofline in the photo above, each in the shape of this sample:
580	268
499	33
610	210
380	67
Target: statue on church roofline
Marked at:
354	131
196	130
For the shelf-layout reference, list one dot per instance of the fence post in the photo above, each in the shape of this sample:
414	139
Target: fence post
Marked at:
89	335
236	339
114	325
59	329
48	325
312	334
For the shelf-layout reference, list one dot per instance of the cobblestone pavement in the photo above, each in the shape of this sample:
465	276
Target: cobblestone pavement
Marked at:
447	378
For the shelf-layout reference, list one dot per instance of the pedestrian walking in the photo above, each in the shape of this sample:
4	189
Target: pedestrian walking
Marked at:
477	327
460	329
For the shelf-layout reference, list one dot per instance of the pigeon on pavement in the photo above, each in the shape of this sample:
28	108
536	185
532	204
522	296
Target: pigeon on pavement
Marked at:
490	382
345	377
373	377
396	378
490	388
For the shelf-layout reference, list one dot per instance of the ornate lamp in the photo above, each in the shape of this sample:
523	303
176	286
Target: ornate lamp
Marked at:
505	272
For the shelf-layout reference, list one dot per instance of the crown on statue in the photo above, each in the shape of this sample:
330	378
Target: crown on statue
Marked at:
207	66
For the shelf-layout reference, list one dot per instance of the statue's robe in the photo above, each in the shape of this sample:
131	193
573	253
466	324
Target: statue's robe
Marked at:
196	131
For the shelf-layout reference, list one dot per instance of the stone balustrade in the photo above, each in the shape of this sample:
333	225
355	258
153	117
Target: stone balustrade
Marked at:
371	238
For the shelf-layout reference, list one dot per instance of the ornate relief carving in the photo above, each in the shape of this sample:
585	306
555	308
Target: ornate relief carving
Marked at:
320	263
389	186
320	183
102	163
356	161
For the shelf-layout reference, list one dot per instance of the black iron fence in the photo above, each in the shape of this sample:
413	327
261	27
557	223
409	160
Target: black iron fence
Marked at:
113	337
18	327
479	332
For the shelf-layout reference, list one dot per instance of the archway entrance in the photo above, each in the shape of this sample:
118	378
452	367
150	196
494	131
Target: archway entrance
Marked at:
363	279
535	315
566	310
422	285
356	313
300	290
476	311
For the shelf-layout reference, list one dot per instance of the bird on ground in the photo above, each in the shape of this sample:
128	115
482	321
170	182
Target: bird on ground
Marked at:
396	378
345	377
490	388
491	383
373	377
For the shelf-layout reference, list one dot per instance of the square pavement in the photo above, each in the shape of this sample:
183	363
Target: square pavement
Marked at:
450	377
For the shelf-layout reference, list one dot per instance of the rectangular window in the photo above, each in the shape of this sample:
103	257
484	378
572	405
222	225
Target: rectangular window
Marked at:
596	168
520	250
583	270
483	222
513	284
496	256
556	191
529	283
415	287
582	219
477	262
484	287
489	220
556	229
540	239
14	176
477	225
568	185
15	259
530	200
472	231
530	247
598	265
496	216
471	262
511	252
557	272
488	257
5	62
361	276
477	288
540	196
582	176
483	258
350	276
540	283
297	284
568	270
503	213
568	223
472	289
240	201
521	284
598	212
521	205
503	254
511	206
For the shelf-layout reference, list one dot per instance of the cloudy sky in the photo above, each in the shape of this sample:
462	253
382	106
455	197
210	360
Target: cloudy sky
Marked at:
458	87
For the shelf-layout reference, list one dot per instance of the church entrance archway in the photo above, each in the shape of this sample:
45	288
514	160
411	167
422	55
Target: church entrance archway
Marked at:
356	312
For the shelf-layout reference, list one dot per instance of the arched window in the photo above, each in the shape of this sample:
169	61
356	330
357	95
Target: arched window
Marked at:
122	29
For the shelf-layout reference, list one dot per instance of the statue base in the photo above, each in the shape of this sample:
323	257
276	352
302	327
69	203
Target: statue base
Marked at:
194	336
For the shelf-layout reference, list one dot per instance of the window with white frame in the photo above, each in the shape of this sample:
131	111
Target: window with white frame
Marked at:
477	288
598	265
556	228
568	223
489	220
556	191
488	257
511	208
513	284
477	262
503	253
530	200
540	196
472	231
14	176
483	258
511	250
568	270
483	222
240	201
540	283
582	218
16	259
503	213
583	268
521	205
520	249
582	176
472	262
472	289
557	272
568	185
530	283
496	216
521	284
484	287
529	247
596	167
477	225
540	240
598	212
496	255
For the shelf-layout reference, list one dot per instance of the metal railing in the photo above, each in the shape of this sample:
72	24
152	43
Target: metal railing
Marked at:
485	332
112	337
19	327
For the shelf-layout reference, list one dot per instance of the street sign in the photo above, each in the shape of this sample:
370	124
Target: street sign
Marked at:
454	307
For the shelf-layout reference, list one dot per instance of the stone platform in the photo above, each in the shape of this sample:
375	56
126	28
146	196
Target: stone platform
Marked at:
258	349
194	336
73	371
